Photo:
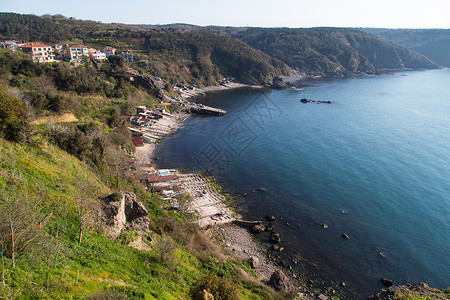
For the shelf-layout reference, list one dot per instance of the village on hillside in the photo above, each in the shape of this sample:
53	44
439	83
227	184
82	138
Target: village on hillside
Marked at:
42	53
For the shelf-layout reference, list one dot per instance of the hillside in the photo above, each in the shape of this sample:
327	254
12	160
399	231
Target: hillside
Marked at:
332	51
197	57
60	188
316	51
433	43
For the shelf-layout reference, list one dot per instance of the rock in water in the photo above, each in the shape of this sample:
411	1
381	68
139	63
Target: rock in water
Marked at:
258	228
275	237
387	282
270	218
278	280
345	236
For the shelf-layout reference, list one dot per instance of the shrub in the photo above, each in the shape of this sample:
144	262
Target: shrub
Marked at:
220	288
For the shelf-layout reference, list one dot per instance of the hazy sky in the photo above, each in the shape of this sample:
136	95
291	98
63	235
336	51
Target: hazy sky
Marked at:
264	13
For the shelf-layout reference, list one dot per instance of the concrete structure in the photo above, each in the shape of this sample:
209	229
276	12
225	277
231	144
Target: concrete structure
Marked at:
77	52
96	54
11	45
109	51
127	56
39	52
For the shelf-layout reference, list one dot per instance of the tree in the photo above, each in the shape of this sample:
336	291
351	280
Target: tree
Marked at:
165	247
20	226
83	205
116	162
11	116
115	118
2	251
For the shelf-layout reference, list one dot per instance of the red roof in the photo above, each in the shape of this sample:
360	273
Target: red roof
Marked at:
31	45
148	165
130	159
162	178
137	141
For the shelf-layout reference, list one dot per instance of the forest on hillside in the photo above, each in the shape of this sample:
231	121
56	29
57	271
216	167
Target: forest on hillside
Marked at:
433	43
196	58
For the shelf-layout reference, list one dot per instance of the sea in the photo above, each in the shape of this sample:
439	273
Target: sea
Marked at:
374	164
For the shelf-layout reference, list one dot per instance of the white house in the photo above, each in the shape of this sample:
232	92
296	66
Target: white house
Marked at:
109	51
127	56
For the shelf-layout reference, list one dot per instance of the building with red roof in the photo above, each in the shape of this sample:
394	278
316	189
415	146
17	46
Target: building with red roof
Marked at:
39	52
137	141
109	51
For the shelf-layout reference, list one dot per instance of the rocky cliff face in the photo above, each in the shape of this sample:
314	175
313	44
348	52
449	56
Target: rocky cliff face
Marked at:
411	291
329	51
383	54
121	211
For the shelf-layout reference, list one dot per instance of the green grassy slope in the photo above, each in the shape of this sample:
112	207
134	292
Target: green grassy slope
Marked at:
49	173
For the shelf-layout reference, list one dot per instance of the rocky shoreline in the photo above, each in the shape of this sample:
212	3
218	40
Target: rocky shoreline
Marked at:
218	221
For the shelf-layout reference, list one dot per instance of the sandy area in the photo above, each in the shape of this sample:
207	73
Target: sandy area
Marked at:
151	135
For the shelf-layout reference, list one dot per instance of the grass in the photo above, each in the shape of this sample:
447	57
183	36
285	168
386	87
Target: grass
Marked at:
100	266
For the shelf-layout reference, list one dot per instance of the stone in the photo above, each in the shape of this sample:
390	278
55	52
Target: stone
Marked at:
278	280
122	211
270	218
322	297
204	295
387	282
275	237
254	262
256	229
269	227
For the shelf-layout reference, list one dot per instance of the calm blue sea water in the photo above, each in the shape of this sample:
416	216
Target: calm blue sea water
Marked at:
380	153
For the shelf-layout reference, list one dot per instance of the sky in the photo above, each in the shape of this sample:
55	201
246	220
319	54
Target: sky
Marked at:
254	13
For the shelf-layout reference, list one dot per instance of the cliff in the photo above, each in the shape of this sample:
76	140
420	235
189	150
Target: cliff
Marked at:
433	43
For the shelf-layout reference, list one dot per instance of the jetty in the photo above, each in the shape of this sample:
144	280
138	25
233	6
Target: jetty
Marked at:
206	110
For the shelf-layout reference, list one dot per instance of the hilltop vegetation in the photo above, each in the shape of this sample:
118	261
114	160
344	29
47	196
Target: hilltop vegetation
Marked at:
321	51
182	53
433	43
196	58
331	51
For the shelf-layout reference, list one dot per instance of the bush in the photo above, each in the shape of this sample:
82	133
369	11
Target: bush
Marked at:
12	122
220	288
